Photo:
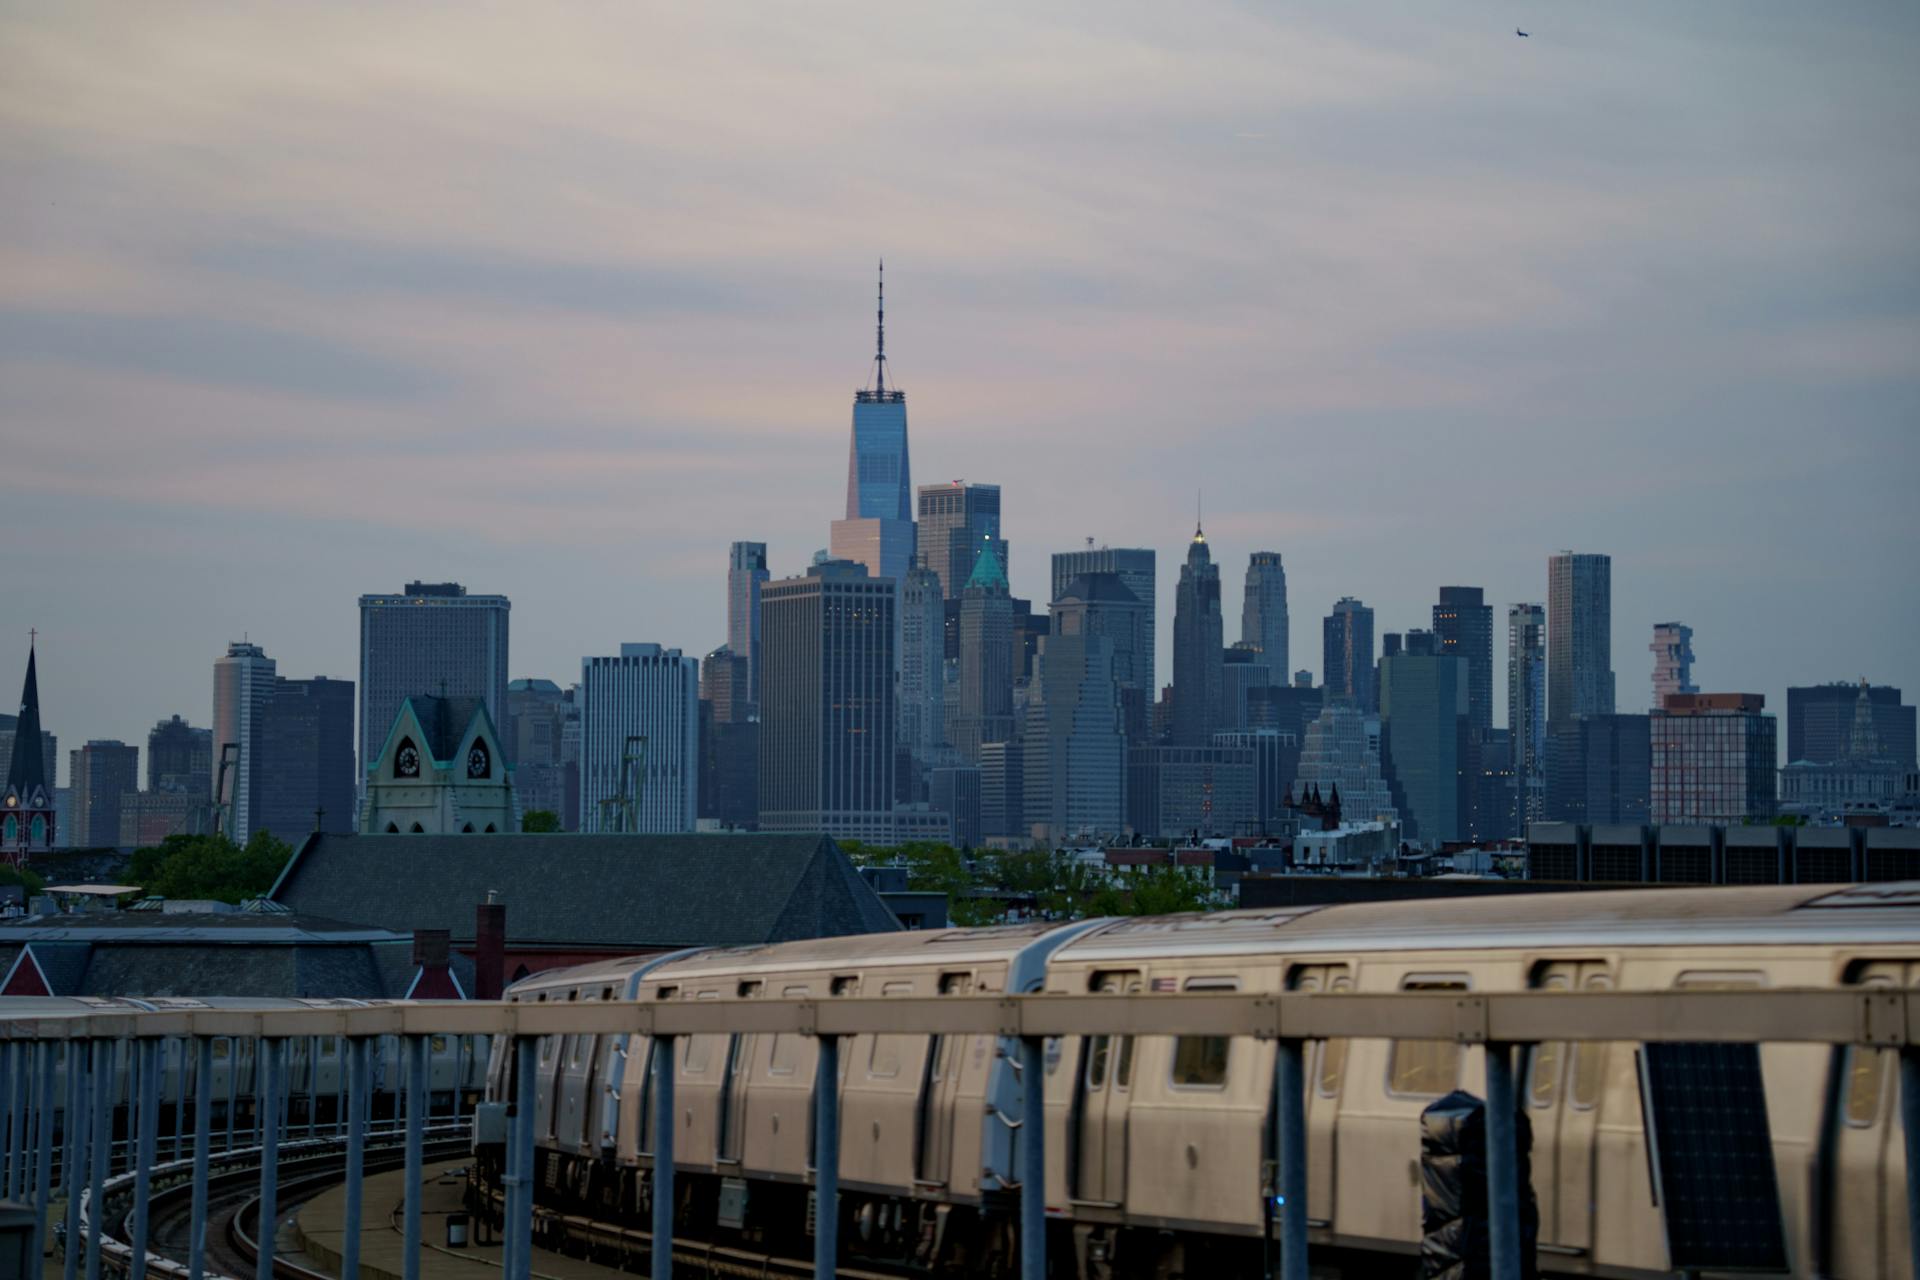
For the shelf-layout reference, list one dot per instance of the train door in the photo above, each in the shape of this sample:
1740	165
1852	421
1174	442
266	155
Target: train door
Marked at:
1326	1067
1105	1087
733	1086
1563	1094
1869	1235
939	1092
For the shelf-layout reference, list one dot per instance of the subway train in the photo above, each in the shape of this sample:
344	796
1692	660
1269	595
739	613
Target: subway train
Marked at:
1158	1149
314	1075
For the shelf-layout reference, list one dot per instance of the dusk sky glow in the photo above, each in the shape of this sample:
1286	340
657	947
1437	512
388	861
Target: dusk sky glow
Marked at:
300	302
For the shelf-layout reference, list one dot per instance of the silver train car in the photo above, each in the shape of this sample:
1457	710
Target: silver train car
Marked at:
1157	1146
314	1072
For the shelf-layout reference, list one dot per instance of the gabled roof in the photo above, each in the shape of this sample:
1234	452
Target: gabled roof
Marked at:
443	725
624	891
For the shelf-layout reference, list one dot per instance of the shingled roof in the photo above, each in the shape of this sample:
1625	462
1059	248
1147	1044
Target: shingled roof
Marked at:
597	891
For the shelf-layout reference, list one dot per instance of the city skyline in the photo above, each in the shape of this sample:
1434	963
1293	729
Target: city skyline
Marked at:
243	387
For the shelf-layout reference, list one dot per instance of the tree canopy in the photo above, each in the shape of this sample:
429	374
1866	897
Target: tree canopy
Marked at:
540	820
980	885
210	866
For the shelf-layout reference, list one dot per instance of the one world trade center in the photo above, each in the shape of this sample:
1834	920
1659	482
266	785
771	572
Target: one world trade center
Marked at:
878	529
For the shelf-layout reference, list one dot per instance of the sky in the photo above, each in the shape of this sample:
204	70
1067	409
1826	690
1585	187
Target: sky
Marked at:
304	301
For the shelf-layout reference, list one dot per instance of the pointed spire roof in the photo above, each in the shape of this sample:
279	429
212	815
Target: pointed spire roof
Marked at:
987	572
27	770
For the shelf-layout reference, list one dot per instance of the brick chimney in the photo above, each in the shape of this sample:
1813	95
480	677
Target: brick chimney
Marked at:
489	948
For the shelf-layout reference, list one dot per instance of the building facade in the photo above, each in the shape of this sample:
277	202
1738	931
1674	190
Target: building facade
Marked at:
1101	604
1198	681
1672	650
103	774
180	758
1184	791
827	716
1599	769
1713	759
1463	628
1820	720
1263	611
441	770
1340	758
640	741
1423	724
1346	650
1081	732
543	723
746	574
431	639
922	664
1579	636
1137	571
1527	709
242	692
956	520
729	744
305	773
986	659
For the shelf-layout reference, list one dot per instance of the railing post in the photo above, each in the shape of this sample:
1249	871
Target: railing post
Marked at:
1503	1189
180	1103
660	1259
416	1055
17	1094
202	1153
1290	1155
43	1171
355	1065
73	1173
1910	1123
826	1158
313	1085
1033	1158
233	1088
103	1082
9	1061
267	1058
147	1117
520	1153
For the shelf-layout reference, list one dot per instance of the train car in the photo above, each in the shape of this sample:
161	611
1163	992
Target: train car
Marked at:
1157	1146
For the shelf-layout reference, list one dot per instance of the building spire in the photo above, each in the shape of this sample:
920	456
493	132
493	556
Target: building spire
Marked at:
880	334
26	772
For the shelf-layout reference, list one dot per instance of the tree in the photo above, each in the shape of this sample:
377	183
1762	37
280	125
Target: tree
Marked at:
21	876
540	820
210	866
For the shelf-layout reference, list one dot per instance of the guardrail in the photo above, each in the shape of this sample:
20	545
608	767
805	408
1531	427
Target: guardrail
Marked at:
1500	1021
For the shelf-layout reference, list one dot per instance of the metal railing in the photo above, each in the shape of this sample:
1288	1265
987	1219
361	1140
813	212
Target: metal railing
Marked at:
1501	1022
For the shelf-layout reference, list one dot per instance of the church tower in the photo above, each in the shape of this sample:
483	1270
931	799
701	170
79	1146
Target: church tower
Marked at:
26	806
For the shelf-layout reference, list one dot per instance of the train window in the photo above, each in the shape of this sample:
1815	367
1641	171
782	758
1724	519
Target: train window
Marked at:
883	1062
784	1057
1123	1064
1425	1068
1546	1056
1200	1062
1866	1068
665	993
699	1052
1098	1049
1589	1057
1333	1056
846	986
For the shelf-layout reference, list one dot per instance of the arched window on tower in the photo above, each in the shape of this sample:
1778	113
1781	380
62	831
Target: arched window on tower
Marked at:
10	830
39	828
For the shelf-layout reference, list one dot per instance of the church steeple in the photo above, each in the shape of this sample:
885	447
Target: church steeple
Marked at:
26	805
27	771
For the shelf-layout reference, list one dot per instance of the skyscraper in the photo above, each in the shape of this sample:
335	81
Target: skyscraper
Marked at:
1339	757
1136	567
729	742
1084	741
1527	708
1579	636
1463	628
545	729
1713	759
1672	650
922	664
878	529
986	659
827	717
1101	603
304	773
956	519
104	773
1423	702
746	571
1197	678
1346	648
432	639
1263	612
242	692
639	741
180	758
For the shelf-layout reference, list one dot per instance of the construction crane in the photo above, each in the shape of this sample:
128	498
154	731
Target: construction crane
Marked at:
626	801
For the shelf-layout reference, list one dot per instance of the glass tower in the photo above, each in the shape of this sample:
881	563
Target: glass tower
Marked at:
879	484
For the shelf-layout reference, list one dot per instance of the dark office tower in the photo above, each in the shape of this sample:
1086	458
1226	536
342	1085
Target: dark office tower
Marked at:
1463	628
544	727
1099	604
103	774
1076	742
305	774
1820	722
1423	701
1263	613
1600	769
1579	636
432	639
1527	711
242	692
1136	568
28	815
956	520
922	664
729	742
1347	655
827	717
986	659
1197	676
746	571
180	758
878	529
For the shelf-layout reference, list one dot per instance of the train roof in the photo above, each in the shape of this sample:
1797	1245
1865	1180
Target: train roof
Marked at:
1718	915
593	973
922	946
